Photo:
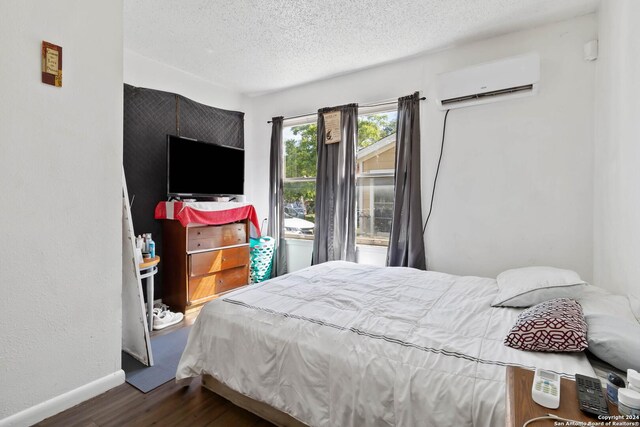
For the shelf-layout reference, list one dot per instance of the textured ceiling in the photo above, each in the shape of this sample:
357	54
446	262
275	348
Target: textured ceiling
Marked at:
258	46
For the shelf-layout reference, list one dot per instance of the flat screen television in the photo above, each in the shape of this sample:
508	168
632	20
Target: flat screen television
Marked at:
202	169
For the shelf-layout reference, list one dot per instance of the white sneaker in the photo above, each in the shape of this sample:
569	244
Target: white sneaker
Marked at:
160	307
166	318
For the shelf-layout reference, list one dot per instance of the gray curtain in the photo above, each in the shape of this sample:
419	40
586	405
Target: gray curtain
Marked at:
335	230
406	243
275	226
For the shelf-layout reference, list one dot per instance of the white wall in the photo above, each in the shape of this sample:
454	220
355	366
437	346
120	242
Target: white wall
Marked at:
60	239
617	152
516	184
145	72
299	253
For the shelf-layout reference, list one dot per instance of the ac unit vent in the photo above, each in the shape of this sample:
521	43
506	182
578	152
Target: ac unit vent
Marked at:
508	78
478	96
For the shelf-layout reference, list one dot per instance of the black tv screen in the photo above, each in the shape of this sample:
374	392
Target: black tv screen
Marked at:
202	169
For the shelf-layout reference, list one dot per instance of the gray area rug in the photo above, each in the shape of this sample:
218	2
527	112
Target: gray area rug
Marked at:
167	350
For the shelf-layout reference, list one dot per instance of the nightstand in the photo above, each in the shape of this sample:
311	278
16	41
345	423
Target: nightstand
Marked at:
521	408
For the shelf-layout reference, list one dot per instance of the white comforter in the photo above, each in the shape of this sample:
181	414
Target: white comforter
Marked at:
342	344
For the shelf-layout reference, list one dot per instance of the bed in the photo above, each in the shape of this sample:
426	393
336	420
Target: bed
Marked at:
343	344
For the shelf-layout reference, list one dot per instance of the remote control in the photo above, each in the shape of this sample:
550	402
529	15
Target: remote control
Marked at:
545	390
590	396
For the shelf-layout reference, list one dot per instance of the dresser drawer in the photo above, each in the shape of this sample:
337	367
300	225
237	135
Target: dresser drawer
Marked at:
206	287
215	236
223	259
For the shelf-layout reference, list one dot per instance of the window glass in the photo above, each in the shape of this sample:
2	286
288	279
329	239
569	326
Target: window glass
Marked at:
375	165
301	156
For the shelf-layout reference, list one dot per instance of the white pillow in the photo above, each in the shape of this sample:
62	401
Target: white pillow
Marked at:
595	300
524	287
613	330
614	339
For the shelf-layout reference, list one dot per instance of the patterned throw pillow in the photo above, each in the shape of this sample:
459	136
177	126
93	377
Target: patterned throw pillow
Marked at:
554	325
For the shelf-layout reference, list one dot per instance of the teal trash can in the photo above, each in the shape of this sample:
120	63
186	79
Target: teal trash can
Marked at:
261	258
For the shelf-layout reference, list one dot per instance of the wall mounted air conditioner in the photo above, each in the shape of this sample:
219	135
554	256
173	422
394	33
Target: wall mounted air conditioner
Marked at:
504	79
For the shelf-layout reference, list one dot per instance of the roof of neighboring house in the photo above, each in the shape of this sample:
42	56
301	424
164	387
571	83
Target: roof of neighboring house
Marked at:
376	148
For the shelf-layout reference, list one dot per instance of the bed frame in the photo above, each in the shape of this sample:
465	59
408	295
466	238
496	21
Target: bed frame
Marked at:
261	409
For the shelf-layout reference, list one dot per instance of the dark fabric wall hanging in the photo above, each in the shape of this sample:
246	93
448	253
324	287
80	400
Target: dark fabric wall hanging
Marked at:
335	230
149	115
406	243
210	124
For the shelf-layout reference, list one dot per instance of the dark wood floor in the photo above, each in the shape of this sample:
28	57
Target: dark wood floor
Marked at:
167	405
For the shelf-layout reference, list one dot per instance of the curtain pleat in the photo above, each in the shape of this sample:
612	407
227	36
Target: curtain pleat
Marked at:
275	225
406	242
335	221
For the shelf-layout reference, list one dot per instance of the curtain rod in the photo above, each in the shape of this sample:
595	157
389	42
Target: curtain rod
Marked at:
380	104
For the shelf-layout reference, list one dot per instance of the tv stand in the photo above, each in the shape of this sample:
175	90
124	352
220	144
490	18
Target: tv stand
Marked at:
202	262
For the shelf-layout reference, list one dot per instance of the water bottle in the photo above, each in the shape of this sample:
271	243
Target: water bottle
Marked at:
152	248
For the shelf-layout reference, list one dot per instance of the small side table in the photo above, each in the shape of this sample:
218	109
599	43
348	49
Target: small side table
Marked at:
148	269
521	407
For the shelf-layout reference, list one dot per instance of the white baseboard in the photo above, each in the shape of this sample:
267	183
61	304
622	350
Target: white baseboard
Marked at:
64	401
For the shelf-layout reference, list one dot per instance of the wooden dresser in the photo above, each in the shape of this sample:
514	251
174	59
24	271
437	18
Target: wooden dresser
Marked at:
202	262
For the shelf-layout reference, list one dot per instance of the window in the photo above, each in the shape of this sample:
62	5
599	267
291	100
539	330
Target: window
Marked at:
300	162
375	165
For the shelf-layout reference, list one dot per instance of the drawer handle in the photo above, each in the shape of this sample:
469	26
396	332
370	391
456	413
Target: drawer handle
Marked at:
224	259
199	233
198	244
